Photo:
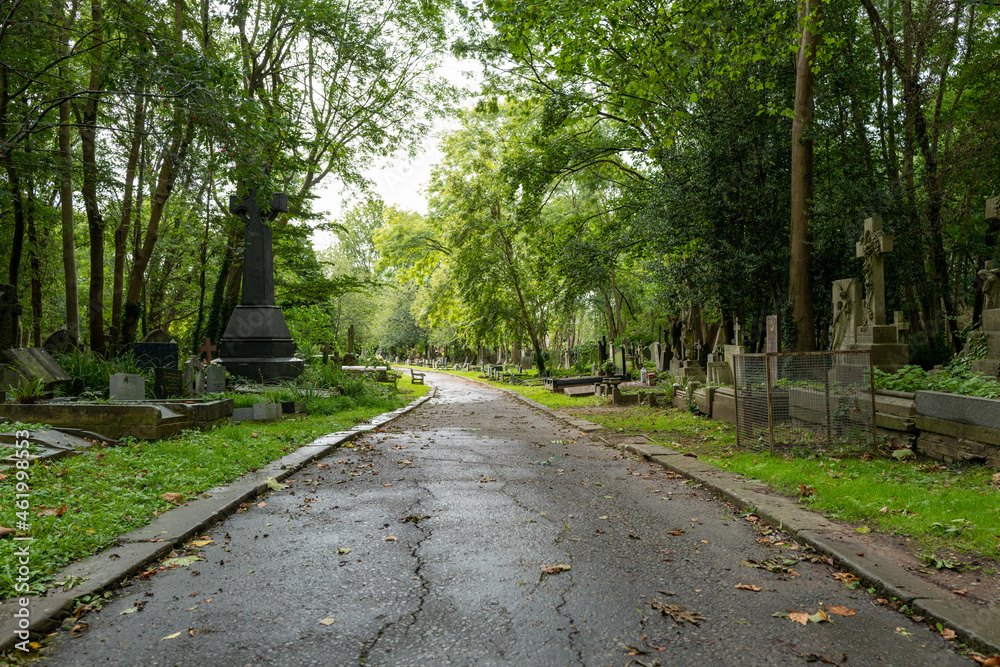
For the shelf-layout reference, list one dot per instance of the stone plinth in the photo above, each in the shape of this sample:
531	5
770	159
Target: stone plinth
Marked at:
127	387
681	370
888	354
257	345
720	373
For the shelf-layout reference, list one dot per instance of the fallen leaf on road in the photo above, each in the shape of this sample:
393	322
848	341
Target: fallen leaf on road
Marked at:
261	504
391	538
748	587
173	497
992	661
343	550
555	569
79	629
274	484
183	561
960	592
863	530
845	577
677	612
201	543
799	617
901	631
948	633
130	610
173	636
633	650
483	480
327	621
840	610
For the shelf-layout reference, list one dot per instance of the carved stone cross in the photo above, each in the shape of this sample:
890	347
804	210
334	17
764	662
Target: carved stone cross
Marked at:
871	247
737	340
258	261
207	348
697	350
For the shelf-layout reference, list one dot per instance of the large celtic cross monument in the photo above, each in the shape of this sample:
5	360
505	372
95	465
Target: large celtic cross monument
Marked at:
257	344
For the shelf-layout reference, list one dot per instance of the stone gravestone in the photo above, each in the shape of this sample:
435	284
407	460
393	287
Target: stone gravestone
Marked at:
188	378
215	379
990	366
207	349
719	373
257	343
59	342
773	335
654	352
127	387
685	368
848	313
736	348
157	336
168	383
350	359
26	364
888	354
154	355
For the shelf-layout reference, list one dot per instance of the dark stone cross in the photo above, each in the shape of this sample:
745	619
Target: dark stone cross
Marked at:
257	343
258	260
208	349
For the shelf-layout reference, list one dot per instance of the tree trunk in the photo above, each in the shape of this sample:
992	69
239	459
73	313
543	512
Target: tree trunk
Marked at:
67	226
95	223
800	260
125	225
34	257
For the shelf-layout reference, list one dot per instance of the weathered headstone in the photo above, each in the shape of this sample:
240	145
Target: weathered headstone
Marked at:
187	376
350	358
888	354
59	342
30	363
848	313
990	365
127	387
157	336
168	383
772	335
720	373
215	379
257	343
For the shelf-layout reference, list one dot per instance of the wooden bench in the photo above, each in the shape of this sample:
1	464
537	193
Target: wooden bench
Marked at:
416	378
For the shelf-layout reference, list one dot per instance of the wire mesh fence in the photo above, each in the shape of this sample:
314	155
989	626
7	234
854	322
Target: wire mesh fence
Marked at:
820	401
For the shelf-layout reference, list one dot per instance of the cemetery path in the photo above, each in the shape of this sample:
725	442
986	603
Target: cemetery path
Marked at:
428	543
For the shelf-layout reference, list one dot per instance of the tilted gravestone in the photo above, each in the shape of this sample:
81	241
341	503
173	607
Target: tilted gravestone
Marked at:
127	387
257	343
26	364
59	342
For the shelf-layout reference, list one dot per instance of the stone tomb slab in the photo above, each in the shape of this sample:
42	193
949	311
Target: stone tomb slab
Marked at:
48	444
581	390
145	421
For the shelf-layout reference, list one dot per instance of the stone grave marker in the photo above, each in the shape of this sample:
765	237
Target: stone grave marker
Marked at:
157	336
848	313
154	355
990	366
30	363
720	373
59	342
350	358
773	335
257	343
168	383
127	387
888	354
215	379
207	349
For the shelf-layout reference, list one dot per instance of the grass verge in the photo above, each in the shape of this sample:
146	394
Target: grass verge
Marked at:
80	505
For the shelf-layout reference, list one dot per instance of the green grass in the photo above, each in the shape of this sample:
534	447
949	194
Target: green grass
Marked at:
112	490
942	508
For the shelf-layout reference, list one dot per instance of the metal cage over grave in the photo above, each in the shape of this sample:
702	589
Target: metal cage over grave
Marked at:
818	401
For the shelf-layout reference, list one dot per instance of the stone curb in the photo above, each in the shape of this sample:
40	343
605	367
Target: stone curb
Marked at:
978	627
134	550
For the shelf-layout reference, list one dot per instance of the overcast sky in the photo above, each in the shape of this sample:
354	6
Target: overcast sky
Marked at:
403	180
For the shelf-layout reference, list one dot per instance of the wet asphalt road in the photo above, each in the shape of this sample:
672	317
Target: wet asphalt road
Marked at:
425	543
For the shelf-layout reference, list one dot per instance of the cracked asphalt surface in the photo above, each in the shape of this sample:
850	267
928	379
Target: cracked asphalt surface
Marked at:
425	543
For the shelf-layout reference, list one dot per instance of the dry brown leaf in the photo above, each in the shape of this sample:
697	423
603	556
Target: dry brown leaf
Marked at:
845	577
4	532
327	621
173	497
992	661
799	617
948	633
51	511
2	477
555	569
748	587
840	610
677	612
